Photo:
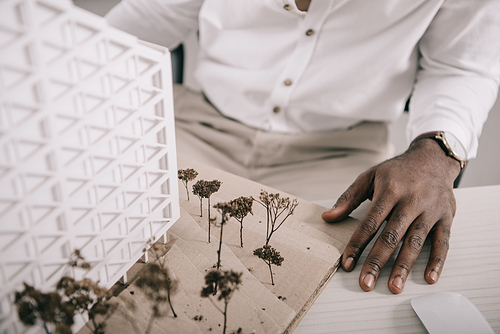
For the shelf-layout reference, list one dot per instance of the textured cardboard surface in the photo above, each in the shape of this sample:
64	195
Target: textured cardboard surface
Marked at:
310	246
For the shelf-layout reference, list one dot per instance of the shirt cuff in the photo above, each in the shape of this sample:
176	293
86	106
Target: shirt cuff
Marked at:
439	123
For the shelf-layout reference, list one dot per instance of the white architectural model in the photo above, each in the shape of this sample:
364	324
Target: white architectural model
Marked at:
87	147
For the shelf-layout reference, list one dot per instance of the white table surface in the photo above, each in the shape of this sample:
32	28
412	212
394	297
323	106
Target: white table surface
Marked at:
472	269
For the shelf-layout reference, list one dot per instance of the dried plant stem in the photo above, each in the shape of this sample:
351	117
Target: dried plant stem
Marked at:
268	218
223	312
215	305
224	208
209	222
205	189
186	186
186	175
270	256
170	303
157	285
240	208
276	206
225	316
271	272
220	243
150	323
241	233
94	323
228	282
275	227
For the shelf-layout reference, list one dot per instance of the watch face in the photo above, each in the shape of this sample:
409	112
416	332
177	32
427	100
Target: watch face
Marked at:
455	145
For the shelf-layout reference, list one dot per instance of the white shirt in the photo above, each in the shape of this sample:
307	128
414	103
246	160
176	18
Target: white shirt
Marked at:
273	67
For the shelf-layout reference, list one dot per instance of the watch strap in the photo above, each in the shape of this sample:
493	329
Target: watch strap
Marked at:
438	136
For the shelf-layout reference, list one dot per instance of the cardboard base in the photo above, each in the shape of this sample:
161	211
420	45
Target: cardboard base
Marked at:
311	249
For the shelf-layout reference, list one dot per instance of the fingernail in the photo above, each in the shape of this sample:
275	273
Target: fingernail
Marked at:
369	280
433	275
349	263
398	282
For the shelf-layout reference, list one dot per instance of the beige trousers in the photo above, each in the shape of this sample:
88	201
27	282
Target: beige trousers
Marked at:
316	166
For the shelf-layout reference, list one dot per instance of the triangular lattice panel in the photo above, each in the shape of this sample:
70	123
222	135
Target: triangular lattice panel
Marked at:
86	143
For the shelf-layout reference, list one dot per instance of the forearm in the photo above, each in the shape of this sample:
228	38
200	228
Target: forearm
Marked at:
161	22
459	75
456	104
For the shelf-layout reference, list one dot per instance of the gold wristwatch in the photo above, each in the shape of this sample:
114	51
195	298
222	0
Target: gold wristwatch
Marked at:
450	144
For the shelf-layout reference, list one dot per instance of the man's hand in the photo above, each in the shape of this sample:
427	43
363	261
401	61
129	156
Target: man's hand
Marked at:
414	193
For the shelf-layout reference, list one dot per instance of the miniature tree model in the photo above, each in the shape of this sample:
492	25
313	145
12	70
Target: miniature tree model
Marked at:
88	297
224	283
56	310
186	175
47	309
224	209
270	256
205	189
242	207
76	260
157	285
198	190
278	210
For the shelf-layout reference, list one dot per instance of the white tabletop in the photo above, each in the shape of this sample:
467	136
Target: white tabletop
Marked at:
472	269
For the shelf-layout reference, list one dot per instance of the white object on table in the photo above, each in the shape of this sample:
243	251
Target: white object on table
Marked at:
450	312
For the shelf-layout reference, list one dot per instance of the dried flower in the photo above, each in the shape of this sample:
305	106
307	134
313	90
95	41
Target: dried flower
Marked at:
205	189
270	256
186	175
86	296
278	210
47	309
225	209
76	260
224	283
158	287
242	206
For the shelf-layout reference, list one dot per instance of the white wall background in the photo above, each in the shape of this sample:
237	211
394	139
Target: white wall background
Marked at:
484	170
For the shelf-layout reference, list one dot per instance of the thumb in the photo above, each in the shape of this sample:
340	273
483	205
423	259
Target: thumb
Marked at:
357	193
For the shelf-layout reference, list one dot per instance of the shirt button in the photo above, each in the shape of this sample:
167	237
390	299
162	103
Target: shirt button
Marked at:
288	82
287	7
276	110
310	32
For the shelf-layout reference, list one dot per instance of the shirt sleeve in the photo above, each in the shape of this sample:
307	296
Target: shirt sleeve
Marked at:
458	79
163	22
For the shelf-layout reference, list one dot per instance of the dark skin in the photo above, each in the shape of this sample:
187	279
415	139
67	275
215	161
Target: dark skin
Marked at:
303	5
414	192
